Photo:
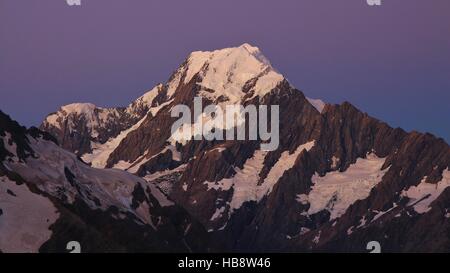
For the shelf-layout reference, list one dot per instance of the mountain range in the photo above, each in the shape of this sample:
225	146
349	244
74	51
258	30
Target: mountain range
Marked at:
116	180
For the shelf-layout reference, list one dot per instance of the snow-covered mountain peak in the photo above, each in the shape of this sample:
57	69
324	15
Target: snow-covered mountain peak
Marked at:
80	108
226	72
250	48
197	58
256	52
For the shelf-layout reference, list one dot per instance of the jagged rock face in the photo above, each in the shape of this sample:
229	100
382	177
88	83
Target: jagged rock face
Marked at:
283	220
338	179
218	162
76	125
278	221
80	127
50	197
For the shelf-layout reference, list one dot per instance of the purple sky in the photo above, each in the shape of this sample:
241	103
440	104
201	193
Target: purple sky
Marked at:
391	61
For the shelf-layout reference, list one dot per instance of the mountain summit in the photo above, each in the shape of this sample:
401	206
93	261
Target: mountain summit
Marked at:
229	70
233	75
338	180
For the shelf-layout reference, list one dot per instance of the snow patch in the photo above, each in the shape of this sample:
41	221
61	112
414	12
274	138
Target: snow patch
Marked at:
218	213
155	110
302	199
101	152
379	214
156	175
223	185
284	163
145	100
336	191
334	162
245	182
162	199
317	237
422	195
26	218
318	104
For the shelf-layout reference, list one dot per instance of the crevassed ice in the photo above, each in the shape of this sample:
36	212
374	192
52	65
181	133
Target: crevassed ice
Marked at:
336	191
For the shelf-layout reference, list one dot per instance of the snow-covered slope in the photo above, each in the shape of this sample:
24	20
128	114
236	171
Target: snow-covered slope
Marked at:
421	196
25	217
110	187
61	174
227	71
42	186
